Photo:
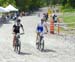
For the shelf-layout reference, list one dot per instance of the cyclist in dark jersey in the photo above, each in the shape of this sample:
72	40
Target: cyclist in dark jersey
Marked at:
16	29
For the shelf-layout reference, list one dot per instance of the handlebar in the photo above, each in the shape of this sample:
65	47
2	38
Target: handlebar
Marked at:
19	33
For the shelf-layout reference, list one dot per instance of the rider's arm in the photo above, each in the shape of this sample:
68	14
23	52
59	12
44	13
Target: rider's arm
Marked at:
46	27
36	28
36	32
22	28
13	29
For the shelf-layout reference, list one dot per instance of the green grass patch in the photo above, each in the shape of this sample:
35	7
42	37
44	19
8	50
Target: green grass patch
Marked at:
68	10
69	17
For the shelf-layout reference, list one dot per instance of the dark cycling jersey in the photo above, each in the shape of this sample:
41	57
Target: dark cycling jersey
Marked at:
17	28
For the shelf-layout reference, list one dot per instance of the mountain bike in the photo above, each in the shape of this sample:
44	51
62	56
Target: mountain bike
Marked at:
18	43
40	43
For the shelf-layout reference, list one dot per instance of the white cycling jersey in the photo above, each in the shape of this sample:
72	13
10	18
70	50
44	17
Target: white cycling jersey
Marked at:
43	26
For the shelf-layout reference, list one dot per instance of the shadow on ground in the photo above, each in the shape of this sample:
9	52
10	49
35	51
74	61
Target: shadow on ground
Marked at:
48	50
23	53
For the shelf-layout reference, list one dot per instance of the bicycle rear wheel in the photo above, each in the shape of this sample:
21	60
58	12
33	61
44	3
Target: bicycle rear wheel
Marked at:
42	45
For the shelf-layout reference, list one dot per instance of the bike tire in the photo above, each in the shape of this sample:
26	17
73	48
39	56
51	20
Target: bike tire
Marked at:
42	45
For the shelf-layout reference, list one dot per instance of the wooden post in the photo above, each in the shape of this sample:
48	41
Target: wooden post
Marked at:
58	26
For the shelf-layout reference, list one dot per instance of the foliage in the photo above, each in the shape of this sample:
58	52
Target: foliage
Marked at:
68	3
4	3
35	4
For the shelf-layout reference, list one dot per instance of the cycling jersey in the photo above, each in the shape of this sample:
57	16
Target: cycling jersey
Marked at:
40	28
17	28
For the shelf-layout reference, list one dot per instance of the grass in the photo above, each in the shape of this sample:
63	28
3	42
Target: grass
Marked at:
68	10
68	14
69	17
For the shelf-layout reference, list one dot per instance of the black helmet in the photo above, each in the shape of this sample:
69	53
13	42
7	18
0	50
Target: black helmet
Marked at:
18	20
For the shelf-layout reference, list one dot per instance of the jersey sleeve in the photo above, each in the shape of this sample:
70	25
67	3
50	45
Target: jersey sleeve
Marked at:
13	26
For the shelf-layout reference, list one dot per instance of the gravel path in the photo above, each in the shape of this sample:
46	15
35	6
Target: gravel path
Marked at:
56	48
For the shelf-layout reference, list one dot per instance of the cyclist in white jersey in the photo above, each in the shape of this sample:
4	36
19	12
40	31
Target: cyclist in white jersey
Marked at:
41	27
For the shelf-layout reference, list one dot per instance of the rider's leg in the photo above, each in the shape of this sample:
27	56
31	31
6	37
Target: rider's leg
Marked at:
37	37
14	40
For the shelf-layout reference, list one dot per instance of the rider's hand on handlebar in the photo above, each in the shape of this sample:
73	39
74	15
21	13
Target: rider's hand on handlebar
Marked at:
46	32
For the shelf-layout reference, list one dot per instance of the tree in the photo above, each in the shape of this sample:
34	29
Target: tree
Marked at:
34	4
4	3
64	2
23	4
68	3
72	3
